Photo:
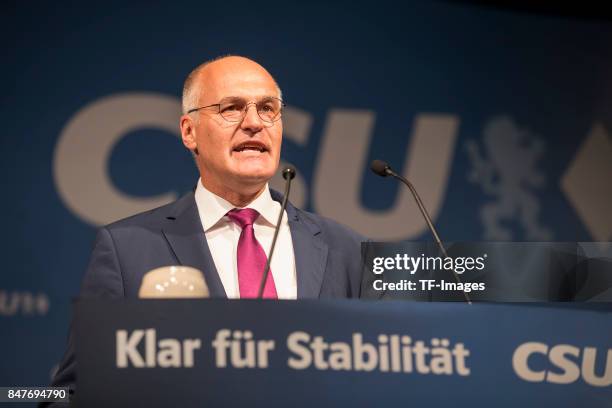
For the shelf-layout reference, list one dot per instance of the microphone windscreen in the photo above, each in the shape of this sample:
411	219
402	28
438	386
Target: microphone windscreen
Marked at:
289	172
379	167
173	282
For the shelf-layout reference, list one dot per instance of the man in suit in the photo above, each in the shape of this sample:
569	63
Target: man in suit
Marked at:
232	124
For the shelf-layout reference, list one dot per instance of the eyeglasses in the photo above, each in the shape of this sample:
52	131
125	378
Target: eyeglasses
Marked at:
234	109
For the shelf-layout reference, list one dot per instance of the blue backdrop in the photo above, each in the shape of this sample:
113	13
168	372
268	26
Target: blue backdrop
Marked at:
501	119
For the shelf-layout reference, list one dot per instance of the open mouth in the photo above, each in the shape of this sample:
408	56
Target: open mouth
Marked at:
251	146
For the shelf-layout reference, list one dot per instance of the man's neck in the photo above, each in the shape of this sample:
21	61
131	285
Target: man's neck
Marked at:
236	198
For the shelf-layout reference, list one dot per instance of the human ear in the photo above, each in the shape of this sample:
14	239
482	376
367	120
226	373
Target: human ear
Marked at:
188	133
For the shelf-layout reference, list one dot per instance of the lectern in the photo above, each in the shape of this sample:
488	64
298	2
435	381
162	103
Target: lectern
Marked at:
212	352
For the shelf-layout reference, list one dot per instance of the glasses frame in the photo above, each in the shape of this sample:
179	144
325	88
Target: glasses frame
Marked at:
244	112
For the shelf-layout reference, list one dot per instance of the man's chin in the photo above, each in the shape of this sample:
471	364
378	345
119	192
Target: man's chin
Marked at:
255	171
253	176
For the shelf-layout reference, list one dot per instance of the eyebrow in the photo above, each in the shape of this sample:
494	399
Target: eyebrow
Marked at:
227	99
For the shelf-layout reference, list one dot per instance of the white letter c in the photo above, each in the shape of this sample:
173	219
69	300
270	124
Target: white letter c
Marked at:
82	152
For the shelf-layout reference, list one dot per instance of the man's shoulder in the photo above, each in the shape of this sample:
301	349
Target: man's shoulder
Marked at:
156	217
329	229
319	225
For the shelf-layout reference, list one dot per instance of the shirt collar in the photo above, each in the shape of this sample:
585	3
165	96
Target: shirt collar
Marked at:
213	208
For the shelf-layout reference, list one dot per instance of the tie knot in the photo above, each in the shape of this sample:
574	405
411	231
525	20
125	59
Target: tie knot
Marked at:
244	217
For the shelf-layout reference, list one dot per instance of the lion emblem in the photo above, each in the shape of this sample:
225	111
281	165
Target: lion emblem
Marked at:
508	173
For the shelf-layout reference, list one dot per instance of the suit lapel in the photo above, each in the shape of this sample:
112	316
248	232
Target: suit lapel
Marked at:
310	259
185	236
309	249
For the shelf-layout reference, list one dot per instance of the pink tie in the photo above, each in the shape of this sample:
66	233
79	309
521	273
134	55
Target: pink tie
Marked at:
251	257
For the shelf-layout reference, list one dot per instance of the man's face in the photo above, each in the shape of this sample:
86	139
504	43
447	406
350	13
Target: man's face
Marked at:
241	155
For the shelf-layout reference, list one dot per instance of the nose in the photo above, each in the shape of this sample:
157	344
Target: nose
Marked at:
251	121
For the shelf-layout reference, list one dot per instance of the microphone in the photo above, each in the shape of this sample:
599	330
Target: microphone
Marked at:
383	169
288	174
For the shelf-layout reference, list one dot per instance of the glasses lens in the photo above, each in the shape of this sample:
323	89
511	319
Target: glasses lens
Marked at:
233	110
269	110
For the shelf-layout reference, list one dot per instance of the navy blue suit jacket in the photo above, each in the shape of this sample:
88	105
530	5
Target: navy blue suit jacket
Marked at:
327	258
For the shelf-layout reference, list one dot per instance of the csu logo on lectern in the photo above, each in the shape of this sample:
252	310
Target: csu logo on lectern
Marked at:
562	364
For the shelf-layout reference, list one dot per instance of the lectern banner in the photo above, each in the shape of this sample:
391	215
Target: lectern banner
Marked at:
191	353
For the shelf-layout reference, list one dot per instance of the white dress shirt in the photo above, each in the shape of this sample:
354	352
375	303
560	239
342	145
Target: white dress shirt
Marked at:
222	236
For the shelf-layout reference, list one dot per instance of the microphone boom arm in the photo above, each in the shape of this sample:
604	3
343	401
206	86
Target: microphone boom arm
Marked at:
383	169
288	175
